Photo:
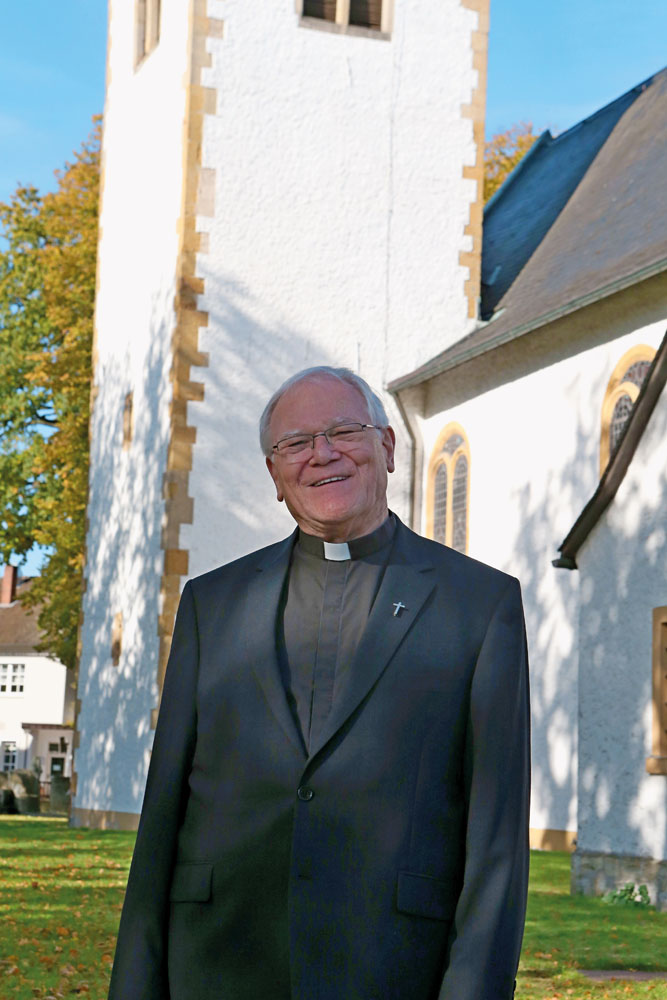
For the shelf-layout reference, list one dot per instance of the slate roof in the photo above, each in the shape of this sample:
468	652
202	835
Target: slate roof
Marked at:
19	633
582	216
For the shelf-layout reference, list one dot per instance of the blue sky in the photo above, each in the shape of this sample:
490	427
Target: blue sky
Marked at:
52	67
551	64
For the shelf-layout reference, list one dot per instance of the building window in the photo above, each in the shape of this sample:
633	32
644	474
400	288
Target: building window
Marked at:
12	678
116	638
622	391
657	762
128	421
372	14
147	28
449	489
57	766
9	756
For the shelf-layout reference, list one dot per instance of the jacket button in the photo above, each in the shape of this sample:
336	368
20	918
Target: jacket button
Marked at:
304	793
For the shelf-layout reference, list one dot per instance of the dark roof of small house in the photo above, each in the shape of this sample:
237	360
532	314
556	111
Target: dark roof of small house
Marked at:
46	725
618	465
19	632
583	215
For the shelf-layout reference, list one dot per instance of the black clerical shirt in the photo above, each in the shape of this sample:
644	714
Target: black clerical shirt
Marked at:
325	607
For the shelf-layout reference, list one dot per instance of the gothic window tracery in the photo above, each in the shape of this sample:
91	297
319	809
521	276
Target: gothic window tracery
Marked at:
620	396
448	489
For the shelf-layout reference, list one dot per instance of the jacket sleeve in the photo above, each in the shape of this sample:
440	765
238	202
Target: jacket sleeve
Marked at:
140	964
485	940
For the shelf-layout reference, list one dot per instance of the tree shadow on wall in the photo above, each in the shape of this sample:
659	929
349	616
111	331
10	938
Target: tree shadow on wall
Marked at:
252	349
235	511
591	678
623	809
123	572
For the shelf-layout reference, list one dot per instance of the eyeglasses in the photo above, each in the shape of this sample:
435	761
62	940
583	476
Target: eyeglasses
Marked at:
341	437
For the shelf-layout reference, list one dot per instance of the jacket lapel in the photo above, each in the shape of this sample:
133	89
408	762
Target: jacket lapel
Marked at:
406	581
261	614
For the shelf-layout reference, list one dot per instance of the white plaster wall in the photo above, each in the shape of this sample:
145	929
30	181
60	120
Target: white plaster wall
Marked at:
42	700
141	205
531	413
623	568
339	217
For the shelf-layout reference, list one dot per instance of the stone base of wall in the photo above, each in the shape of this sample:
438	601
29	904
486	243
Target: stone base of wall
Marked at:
594	874
104	819
552	840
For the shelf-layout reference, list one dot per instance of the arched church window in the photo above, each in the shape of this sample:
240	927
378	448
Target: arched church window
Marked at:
622	391
440	504
460	505
449	488
619	418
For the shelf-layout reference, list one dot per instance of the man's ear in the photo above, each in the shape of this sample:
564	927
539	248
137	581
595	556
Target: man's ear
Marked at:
389	444
276	482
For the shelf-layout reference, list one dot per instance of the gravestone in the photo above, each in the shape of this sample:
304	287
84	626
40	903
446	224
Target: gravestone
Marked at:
59	801
25	786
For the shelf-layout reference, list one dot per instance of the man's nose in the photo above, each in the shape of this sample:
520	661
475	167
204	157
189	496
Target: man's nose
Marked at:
323	451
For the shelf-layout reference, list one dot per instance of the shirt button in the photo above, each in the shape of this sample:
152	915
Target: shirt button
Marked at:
304	793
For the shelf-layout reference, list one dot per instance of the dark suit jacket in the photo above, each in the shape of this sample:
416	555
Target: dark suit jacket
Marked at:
390	864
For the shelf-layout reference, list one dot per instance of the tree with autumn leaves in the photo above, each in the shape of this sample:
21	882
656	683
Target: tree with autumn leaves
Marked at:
502	154
47	294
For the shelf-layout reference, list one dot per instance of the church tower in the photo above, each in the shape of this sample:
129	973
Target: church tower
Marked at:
285	183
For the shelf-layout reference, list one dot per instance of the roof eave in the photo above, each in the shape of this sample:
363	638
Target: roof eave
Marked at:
437	367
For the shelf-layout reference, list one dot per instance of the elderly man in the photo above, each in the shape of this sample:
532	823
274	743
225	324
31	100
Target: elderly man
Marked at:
336	806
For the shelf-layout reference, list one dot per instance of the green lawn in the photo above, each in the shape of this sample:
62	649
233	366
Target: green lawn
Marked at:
565	933
61	891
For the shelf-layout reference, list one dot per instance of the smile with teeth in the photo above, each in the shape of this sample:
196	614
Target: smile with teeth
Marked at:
329	479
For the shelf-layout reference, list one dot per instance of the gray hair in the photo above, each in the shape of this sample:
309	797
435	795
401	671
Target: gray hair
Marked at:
376	411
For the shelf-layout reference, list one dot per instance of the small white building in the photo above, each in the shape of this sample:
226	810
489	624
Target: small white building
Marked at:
37	693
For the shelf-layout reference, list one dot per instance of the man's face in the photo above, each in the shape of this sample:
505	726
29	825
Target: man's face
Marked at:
333	493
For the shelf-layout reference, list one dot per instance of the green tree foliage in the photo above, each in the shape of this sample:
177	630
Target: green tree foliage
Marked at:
47	292
503	152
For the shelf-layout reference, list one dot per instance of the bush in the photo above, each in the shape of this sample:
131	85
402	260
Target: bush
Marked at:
628	896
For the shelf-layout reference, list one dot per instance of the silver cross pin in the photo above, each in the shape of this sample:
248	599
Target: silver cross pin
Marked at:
398	606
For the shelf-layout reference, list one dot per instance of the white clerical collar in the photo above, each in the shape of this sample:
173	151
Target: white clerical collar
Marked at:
356	548
336	551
